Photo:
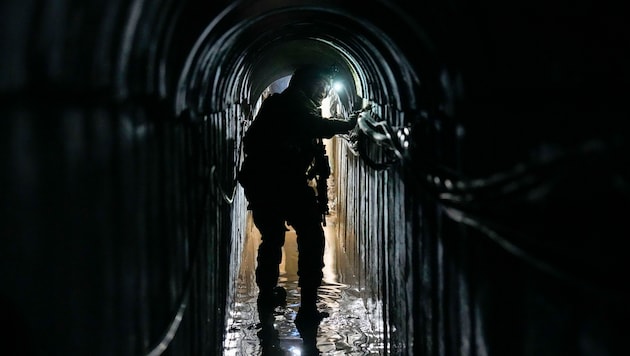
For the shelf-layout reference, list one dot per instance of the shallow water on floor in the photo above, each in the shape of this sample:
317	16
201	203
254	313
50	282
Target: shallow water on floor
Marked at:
348	330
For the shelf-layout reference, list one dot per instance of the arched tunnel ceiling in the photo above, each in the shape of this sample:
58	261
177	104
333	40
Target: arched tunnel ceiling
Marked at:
241	53
281	58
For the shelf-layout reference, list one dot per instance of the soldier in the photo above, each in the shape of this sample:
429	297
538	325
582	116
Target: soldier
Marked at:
280	147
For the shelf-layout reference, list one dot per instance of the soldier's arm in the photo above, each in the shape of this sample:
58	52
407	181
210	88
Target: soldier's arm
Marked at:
327	128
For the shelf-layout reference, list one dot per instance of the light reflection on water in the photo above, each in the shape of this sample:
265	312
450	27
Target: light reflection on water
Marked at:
349	329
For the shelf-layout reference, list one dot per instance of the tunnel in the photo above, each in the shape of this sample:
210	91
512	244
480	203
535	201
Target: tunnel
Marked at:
482	198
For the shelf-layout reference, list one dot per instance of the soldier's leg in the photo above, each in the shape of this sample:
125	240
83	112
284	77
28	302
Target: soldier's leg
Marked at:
306	219
272	230
310	241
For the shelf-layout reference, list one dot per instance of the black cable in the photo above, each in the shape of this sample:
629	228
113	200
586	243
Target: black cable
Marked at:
173	326
470	202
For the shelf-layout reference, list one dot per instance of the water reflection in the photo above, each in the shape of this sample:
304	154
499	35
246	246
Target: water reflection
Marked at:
346	331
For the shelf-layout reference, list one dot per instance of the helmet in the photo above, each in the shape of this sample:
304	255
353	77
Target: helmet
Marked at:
305	76
313	80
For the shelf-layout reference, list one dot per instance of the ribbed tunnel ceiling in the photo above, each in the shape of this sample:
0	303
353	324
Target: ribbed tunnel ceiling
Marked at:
280	58
248	47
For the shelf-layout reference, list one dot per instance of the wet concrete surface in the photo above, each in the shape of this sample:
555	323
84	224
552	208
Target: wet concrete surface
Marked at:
350	329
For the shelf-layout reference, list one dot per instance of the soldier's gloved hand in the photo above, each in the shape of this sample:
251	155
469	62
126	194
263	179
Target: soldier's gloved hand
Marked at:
354	116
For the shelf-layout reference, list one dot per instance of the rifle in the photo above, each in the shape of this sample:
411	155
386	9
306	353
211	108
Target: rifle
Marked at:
320	170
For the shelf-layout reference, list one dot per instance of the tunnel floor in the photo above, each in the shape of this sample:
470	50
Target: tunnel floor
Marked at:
346	331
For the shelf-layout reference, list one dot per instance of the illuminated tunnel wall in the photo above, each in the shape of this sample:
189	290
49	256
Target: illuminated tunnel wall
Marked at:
483	199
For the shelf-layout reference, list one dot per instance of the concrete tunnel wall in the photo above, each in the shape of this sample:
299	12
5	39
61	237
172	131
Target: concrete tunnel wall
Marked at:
490	221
